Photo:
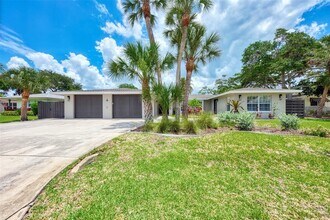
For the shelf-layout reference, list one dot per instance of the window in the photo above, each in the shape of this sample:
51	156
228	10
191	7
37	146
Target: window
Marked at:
252	103
314	101
259	103
228	106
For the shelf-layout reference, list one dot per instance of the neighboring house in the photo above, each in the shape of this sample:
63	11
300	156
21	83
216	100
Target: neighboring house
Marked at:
311	103
127	103
257	100
15	102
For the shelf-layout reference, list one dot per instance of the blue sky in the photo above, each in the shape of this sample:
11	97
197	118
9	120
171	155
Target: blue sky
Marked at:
77	37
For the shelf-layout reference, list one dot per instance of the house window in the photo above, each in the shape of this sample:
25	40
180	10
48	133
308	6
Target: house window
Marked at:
259	103
228	106
252	103
314	101
13	105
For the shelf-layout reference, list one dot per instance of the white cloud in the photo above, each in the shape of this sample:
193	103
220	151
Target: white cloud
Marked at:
16	62
45	61
314	29
101	8
9	40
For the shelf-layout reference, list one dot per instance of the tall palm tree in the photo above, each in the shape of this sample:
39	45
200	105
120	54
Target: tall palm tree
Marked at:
25	81
140	62
199	49
141	8
181	14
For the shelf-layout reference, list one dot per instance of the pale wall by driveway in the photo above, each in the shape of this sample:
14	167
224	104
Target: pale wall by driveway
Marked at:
32	153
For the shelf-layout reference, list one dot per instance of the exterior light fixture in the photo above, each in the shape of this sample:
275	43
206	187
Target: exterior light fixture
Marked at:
68	98
239	96
280	96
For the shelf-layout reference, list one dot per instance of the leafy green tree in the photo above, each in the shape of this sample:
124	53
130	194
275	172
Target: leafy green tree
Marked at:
58	82
127	86
200	48
2	68
140	62
137	9
25	81
180	16
320	63
195	103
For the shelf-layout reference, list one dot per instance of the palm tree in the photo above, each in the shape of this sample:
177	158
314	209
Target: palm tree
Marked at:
141	8
182	14
199	49
166	95
236	105
140	62
25	81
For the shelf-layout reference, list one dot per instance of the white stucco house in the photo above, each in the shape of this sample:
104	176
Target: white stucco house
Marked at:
127	103
15	101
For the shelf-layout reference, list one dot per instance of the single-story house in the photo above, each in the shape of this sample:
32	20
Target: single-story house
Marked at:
15	102
311	103
127	103
259	100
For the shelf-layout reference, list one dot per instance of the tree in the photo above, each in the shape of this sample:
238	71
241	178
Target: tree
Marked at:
320	63
181	15
199	49
141	8
140	62
58	82
127	86
25	81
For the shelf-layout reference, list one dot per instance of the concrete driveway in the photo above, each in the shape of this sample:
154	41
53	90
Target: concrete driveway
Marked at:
32	153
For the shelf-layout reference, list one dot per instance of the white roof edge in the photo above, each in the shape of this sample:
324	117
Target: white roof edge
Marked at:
35	96
98	92
276	91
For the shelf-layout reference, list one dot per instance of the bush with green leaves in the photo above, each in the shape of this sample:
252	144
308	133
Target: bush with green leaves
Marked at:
205	120
15	113
245	121
174	126
147	127
289	122
34	108
227	118
189	126
319	131
163	126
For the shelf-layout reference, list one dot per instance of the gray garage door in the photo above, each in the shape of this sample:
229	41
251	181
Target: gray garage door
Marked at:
127	106
88	106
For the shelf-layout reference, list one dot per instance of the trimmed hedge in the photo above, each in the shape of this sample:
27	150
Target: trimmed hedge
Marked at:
15	113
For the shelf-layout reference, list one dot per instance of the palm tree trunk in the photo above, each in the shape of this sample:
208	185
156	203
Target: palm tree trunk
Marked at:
185	24
25	98
322	102
186	94
147	17
283	81
146	99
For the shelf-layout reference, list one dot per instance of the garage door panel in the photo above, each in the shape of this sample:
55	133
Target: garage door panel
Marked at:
88	106
127	106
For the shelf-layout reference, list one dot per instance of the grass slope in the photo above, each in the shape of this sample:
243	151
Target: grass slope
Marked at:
236	175
7	119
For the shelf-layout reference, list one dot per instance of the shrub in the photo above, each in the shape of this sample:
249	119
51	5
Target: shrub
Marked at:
245	121
189	126
163	126
319	131
10	113
18	111
34	108
15	113
205	120
227	118
289	122
174	126
149	126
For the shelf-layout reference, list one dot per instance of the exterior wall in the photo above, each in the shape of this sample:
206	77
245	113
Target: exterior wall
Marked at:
107	106
309	108
277	105
207	105
69	107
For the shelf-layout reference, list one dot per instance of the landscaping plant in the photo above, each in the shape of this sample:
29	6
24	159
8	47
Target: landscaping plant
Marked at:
205	120
189	126
174	126
319	131
289	122
245	121
34	108
163	126
147	127
236	105
227	118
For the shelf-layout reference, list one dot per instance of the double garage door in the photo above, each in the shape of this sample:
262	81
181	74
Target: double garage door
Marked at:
124	106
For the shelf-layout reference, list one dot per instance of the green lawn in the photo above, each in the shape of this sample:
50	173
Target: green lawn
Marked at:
235	175
7	119
304	123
